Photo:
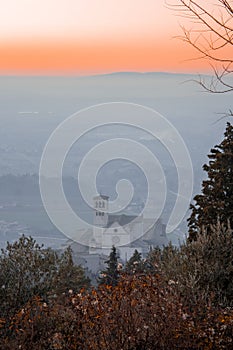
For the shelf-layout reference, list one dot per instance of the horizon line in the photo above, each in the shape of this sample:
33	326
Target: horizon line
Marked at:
81	75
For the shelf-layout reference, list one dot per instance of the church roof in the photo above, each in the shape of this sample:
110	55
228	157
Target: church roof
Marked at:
155	234
101	196
121	219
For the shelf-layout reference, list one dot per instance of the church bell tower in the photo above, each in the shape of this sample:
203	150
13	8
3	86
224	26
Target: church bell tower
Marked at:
100	211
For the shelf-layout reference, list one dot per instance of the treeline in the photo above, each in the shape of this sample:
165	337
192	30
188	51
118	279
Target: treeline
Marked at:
176	298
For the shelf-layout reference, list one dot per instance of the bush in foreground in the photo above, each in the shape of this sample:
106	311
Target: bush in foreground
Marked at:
27	269
141	312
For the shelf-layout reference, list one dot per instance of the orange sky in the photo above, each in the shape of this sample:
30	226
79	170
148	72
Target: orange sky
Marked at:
91	36
71	58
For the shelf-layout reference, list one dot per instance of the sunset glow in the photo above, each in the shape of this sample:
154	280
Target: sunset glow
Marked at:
91	37
71	58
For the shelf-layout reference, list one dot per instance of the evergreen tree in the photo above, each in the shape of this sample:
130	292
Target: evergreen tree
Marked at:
215	204
70	276
135	263
110	276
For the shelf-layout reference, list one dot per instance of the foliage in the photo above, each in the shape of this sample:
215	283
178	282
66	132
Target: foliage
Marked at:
183	301
69	276
27	270
111	274
140	313
202	269
136	264
216	201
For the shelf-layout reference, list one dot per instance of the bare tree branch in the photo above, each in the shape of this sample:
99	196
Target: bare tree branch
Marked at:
212	34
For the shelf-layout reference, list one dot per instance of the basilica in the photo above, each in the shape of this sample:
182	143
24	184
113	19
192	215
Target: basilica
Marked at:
125	231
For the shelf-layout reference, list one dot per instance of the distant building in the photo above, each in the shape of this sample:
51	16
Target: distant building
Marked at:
126	232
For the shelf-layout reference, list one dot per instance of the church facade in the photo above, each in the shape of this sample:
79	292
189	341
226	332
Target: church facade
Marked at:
126	232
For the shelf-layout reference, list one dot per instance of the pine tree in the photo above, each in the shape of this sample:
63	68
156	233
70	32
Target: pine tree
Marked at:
135	263
110	276
215	204
70	276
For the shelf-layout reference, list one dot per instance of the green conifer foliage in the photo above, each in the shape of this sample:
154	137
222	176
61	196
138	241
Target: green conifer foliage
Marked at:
135	263
110	276
215	204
